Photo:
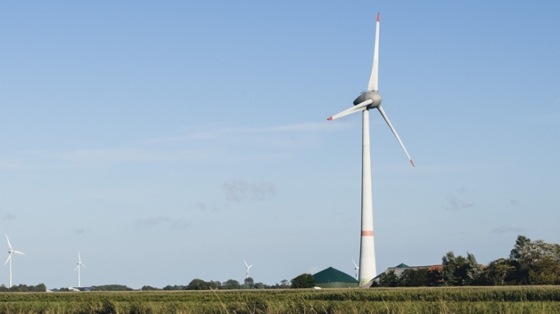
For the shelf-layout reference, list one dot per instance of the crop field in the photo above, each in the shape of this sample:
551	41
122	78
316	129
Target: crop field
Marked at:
518	299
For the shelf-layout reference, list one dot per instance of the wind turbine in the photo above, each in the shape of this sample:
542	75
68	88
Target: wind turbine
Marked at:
366	101
356	268
247	267
10	252
78	268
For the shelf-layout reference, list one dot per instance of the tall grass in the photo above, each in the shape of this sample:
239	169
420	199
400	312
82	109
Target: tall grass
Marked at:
506	300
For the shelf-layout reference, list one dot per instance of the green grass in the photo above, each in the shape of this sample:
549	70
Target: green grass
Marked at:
518	299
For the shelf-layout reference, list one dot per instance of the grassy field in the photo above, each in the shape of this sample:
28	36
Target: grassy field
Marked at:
527	299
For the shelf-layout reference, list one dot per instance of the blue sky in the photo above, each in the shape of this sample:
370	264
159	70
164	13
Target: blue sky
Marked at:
172	141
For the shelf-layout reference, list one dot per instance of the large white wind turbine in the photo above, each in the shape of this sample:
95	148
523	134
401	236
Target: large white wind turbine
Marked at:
366	101
10	252
247	267
78	268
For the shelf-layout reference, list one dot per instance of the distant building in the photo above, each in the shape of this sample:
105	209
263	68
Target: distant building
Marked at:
334	278
399	269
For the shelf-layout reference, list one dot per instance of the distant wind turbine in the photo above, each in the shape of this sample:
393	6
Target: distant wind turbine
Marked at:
78	268
10	252
356	268
247	267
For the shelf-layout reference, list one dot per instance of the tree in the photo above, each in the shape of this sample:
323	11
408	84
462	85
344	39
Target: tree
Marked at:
248	283
498	270
199	284
519	244
533	251
435	277
231	284
414	278
303	281
148	288
545	271
461	271
388	279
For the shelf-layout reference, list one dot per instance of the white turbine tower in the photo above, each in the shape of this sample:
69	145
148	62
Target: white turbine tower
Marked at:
247	267
366	101
10	252
356	268
78	268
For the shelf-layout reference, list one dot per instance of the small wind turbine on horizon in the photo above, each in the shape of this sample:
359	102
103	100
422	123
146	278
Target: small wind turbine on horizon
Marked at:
366	101
78	268
10	252
247	267
356	268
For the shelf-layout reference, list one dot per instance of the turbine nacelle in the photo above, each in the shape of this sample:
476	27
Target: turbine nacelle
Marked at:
372	95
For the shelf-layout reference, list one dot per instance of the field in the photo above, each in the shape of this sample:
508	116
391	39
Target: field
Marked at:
518	299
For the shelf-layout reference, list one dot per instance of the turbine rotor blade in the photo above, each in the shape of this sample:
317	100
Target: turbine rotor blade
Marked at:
395	133
354	263
83	265
358	107
246	265
18	252
373	79
76	267
9	256
9	244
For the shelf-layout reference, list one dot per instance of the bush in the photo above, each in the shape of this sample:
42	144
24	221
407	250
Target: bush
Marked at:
303	281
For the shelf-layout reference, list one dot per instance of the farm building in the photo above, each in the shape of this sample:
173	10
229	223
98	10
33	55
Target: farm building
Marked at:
334	278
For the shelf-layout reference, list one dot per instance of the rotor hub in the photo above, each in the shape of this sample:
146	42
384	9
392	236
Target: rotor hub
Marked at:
369	95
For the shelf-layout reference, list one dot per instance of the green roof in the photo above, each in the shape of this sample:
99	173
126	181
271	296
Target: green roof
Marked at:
402	265
333	275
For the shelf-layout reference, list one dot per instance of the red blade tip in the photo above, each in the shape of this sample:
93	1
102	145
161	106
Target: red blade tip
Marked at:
378	16
412	162
329	118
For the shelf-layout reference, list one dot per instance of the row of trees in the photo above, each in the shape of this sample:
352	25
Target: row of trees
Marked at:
301	281
231	284
24	288
529	263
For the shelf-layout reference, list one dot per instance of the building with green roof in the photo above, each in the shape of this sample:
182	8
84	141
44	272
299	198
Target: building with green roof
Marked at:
334	278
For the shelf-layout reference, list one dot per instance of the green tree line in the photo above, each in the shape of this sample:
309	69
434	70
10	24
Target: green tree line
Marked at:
529	263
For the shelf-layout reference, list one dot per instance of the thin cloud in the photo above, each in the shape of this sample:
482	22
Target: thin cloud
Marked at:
552	117
6	164
504	229
204	207
219	133
126	155
9	216
152	222
240	190
453	203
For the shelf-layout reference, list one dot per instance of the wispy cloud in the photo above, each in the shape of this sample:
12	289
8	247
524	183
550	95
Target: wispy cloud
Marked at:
504	229
161	220
127	155
219	133
454	203
549	118
6	164
8	216
205	207
239	190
